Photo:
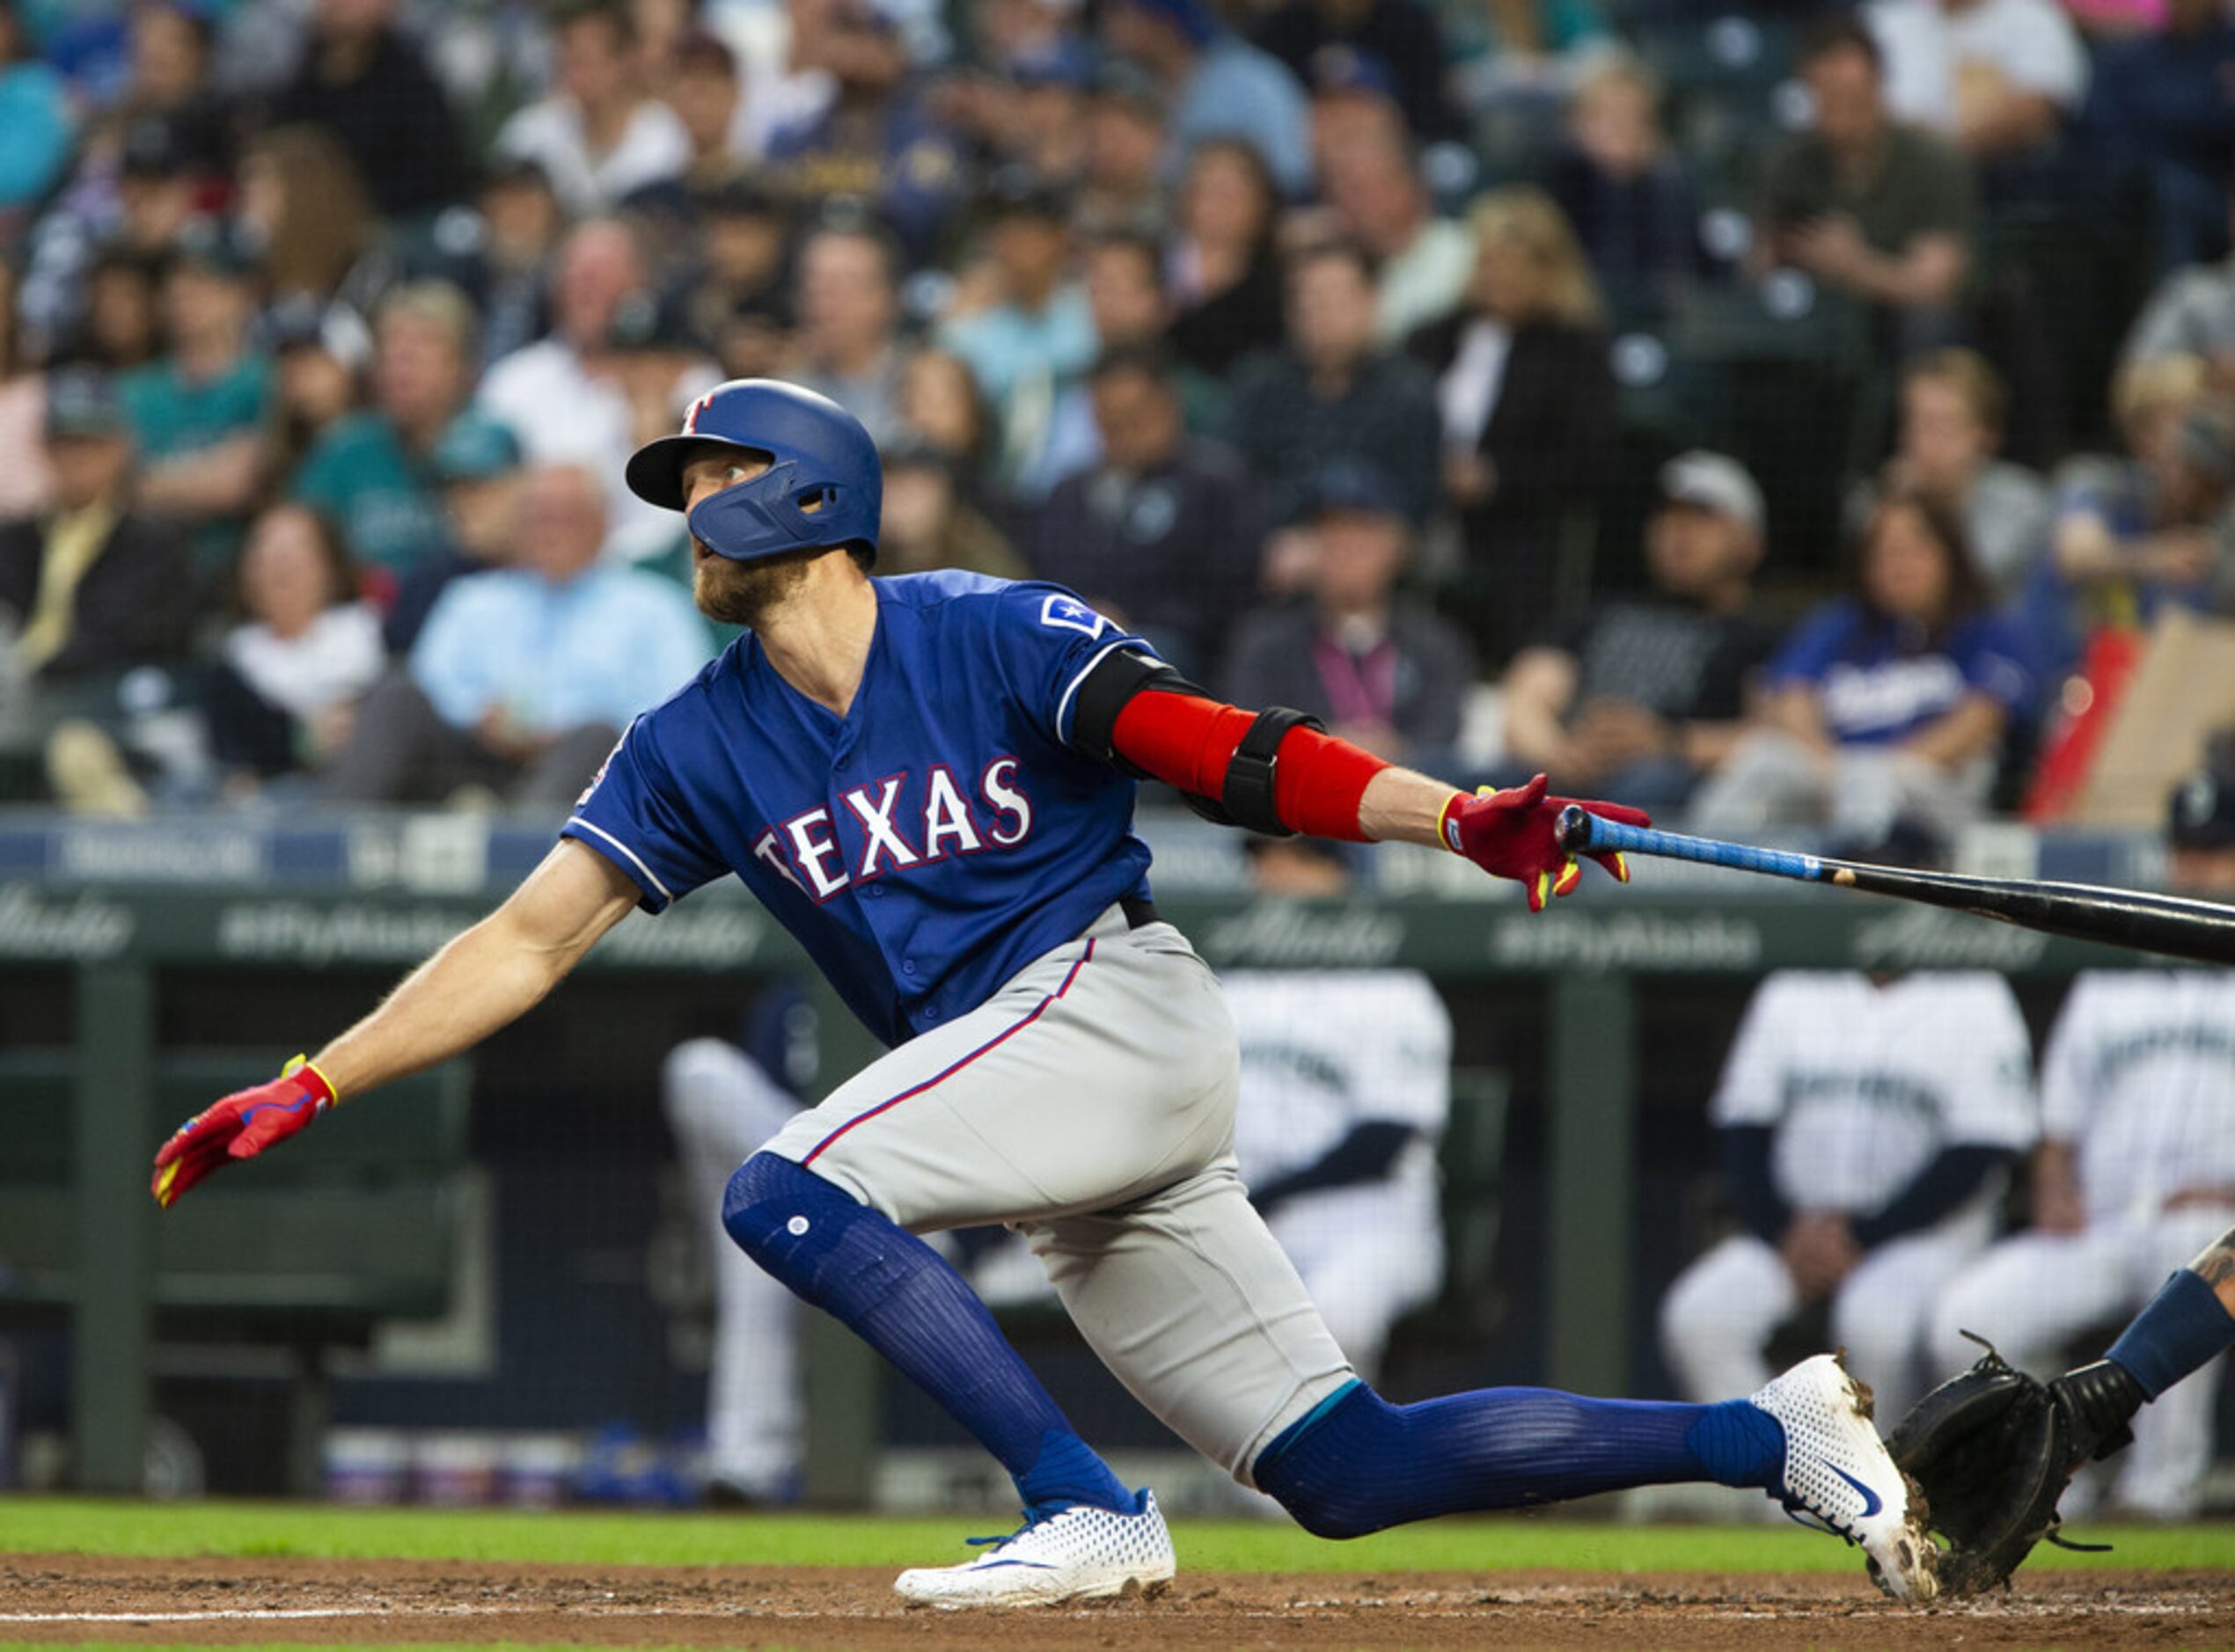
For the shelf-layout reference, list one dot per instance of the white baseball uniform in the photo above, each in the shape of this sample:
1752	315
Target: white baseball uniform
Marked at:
1864	1085
2140	1077
721	1106
1323	1052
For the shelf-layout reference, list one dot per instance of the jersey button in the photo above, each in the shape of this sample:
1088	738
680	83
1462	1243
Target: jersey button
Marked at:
876	891
908	966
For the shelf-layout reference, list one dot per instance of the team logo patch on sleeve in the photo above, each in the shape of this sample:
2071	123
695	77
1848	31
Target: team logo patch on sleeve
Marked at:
1073	615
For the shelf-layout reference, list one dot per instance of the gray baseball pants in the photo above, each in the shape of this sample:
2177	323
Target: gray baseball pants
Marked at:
1089	1104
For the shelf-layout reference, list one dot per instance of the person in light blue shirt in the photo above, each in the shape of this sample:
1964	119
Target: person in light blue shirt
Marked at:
1219	85
524	677
1038	341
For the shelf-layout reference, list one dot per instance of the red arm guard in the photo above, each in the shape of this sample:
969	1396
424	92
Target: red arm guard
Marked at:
1187	741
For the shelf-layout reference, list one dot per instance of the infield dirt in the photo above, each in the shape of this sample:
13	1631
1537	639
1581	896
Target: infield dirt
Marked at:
243	1602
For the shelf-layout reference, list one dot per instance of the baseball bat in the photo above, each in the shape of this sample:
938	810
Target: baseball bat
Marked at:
2203	931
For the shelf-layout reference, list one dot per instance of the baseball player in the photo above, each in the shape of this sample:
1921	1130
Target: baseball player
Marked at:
2135	1175
1866	1127
1345	1089
721	1102
929	781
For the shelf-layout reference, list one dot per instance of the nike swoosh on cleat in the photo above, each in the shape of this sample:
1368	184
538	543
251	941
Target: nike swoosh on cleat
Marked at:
1871	1502
1038	1566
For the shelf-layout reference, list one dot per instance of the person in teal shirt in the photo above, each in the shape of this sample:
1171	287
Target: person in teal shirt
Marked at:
372	471
198	414
35	123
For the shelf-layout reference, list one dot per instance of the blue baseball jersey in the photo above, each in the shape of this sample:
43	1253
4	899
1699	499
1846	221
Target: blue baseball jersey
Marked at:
925	847
1881	683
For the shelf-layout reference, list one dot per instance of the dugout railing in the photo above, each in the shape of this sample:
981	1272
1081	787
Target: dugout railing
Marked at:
116	944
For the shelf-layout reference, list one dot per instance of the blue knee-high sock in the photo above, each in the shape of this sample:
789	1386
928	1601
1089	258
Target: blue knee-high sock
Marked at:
2185	1325
895	1292
1359	1464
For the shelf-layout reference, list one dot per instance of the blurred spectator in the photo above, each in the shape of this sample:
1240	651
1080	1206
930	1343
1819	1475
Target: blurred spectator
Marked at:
301	197
1625	190
1377	668
1425	262
1642	695
1159	533
521	224
1215	84
1883	714
929	523
600	134
1869	207
2160	101
2135	1175
1354	101
94	586
1333	394
1224	274
120	324
940	406
1035	337
198	413
369	474
1525	399
2192	312
1124	180
848	305
1867	1124
524	676
875	140
742	285
1997	75
700	84
1401	34
281	695
23	477
563	396
361	79
1951	425
322	353
1047	134
170	75
35	116
1126	302
476	465
2137	535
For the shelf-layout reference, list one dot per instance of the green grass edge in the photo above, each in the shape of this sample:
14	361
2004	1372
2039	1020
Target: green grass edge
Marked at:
218	1528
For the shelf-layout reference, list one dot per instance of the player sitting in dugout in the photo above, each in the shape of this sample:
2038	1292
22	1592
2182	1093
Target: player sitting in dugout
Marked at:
930	780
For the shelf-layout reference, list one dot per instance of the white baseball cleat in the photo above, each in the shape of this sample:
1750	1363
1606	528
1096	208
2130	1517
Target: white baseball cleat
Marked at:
1838	1475
1080	1553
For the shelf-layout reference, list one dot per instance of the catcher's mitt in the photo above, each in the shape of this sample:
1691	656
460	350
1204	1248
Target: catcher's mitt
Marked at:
1993	1449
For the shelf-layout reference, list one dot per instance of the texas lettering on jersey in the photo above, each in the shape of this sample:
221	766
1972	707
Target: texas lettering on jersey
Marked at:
820	856
925	846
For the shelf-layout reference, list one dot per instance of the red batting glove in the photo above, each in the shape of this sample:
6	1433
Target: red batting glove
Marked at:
241	1126
1510	835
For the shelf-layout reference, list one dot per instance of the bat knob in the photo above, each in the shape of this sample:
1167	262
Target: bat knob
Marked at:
1573	831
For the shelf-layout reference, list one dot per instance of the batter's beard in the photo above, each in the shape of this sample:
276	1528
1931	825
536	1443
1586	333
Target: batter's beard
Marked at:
740	593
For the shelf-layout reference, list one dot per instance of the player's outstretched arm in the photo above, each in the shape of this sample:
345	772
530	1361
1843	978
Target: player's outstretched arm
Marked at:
1275	771
485	978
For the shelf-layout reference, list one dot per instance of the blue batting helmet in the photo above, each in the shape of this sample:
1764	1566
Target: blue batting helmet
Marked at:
823	485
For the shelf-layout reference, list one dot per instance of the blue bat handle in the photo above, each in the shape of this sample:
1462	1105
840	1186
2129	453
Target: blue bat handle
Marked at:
1580	829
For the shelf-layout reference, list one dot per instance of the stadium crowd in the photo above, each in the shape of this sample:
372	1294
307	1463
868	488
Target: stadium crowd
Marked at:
1505	381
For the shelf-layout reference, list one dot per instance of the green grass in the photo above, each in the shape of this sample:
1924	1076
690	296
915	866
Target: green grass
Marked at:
39	1524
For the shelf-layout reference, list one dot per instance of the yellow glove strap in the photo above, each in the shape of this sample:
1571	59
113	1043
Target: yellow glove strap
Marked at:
304	1062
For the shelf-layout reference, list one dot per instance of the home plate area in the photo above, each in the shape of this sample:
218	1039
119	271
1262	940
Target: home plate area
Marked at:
62	1598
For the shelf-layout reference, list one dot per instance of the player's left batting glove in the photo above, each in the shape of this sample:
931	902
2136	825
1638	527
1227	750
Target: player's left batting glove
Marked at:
1511	834
240	1126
